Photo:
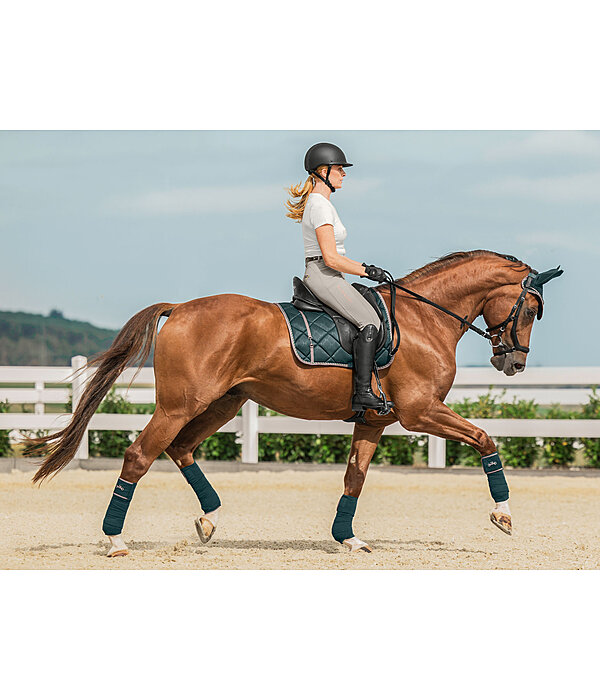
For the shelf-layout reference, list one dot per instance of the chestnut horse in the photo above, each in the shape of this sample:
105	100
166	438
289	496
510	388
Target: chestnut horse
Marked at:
215	353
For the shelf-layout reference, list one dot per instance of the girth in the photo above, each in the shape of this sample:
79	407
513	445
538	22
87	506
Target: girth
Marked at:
304	300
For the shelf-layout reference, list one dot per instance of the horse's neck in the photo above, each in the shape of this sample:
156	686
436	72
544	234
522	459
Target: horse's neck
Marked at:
461	288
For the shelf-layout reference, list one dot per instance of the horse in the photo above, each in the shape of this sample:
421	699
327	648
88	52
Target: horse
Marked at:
214	353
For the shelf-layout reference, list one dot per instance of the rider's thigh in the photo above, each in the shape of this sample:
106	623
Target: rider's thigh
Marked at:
333	289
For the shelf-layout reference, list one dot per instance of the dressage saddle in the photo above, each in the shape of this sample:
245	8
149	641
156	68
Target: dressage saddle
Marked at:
304	300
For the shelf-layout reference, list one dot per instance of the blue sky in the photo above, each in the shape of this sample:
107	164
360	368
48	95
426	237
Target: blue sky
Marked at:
101	224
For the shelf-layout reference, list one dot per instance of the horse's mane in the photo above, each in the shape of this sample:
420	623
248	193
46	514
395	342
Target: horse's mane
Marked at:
451	258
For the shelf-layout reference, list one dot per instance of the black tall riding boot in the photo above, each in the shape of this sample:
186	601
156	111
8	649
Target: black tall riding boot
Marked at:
365	346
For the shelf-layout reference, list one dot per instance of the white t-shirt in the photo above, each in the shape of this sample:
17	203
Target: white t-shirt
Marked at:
317	212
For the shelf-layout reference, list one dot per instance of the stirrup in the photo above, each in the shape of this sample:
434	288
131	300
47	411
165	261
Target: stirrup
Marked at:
383	410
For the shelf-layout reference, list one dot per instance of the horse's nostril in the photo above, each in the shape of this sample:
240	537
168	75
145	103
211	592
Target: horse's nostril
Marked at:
518	365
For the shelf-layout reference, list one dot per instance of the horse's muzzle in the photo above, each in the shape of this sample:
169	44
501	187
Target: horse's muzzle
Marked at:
510	363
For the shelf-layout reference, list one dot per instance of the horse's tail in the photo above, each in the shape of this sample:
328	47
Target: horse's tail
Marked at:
133	343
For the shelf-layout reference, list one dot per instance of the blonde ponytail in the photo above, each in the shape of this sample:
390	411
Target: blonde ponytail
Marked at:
299	192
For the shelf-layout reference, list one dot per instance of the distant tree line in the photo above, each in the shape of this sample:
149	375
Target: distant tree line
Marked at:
33	339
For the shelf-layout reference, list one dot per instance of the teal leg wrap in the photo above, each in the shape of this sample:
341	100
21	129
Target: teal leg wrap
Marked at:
342	525
207	496
492	466
117	508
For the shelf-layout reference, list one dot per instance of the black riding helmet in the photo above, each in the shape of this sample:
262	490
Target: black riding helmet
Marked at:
324	154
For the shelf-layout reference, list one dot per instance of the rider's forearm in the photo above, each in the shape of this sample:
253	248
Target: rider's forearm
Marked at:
343	264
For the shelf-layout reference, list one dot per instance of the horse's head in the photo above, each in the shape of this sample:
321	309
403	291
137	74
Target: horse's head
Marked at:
509	312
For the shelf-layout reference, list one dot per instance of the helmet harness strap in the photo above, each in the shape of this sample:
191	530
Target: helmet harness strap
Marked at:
324	179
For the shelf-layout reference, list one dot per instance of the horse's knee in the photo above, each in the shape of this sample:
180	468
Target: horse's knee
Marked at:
135	465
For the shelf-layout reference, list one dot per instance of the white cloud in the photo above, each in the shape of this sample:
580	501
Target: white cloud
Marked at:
563	188
549	143
219	199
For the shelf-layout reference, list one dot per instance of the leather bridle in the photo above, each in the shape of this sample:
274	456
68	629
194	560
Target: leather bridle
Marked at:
513	316
491	333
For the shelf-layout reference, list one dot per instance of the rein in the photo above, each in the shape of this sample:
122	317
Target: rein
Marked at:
499	328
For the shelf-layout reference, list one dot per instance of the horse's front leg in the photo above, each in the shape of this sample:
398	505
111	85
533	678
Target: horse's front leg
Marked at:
364	443
442	421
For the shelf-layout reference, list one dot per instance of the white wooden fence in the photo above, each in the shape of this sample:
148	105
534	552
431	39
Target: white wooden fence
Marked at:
546	385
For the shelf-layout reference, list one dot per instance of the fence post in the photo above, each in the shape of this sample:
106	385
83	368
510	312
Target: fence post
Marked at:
39	404
250	432
436	452
78	386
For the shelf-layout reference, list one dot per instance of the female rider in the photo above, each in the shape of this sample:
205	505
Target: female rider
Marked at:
326	261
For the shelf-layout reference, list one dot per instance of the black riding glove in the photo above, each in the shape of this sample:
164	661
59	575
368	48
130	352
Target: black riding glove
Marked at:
375	273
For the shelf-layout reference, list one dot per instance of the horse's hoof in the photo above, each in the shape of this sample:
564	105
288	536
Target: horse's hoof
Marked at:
205	529
118	548
502	521
356	545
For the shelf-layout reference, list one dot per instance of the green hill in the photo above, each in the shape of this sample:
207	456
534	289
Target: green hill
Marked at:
33	339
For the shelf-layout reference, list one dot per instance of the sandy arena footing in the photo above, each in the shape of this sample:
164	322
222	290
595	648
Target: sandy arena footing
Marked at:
282	520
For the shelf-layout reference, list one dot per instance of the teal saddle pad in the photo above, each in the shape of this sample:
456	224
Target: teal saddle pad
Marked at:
315	339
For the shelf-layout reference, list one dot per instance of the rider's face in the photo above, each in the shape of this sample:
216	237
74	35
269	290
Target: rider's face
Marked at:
336	176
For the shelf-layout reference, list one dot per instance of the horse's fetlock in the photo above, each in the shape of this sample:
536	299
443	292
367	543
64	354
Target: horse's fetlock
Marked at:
485	442
182	456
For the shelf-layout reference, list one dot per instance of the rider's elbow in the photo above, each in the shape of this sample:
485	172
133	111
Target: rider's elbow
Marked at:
330	261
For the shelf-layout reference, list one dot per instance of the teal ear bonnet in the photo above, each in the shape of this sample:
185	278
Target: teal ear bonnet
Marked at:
535	281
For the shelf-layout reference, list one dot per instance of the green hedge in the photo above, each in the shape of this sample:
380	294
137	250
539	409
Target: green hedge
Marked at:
113	443
591	446
328	449
558	451
5	448
521	452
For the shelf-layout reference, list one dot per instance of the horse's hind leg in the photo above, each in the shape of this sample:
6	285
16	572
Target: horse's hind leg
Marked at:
150	443
181	451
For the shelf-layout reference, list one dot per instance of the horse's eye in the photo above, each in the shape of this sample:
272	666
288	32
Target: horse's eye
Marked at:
530	313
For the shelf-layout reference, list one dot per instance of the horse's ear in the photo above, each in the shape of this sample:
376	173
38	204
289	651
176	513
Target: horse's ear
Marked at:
546	276
542	277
